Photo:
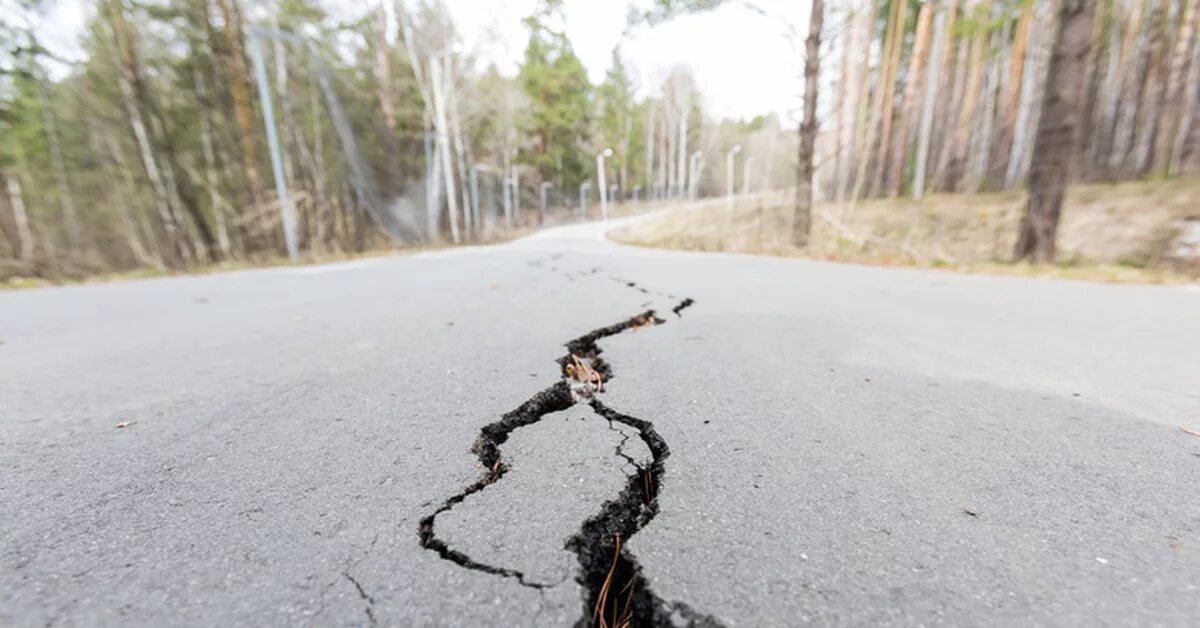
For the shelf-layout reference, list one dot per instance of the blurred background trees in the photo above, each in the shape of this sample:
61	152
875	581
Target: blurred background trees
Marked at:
151	151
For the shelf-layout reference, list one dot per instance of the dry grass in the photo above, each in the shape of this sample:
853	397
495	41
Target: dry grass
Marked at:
1110	232
622	614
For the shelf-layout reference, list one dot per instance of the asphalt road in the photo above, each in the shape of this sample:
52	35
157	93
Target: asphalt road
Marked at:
847	445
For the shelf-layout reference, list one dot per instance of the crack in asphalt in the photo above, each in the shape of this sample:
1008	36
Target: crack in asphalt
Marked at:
610	575
370	608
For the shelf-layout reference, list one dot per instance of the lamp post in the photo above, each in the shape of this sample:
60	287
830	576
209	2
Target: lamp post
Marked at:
506	194
695	180
600	179
729	171
516	187
546	185
441	127
746	174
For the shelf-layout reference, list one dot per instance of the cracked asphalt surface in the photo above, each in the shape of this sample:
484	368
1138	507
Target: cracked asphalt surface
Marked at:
849	445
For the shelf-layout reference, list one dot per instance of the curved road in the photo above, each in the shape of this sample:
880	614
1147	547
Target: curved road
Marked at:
848	445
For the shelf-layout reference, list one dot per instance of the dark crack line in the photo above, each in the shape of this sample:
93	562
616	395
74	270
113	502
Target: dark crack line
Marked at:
559	396
620	449
604	562
370	608
636	286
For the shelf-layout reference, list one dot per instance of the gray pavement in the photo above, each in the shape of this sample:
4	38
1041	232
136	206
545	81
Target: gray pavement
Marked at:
848	445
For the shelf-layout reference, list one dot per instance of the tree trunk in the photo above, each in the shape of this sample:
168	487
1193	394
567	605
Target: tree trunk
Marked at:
802	217
1056	134
127	80
1152	93
948	111
1016	90
864	121
240	87
925	132
912	87
387	97
129	226
849	97
893	45
66	201
1132	89
972	90
1021	134
981	139
211	179
1191	83
1172	114
1091	97
950	88
20	217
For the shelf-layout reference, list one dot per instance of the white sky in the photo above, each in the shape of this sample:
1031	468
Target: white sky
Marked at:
745	64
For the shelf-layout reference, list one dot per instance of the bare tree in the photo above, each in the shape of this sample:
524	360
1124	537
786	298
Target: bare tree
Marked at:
802	218
1056	135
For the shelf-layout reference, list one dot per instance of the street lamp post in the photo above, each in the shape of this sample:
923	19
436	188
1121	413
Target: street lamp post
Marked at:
729	171
695	180
484	215
516	187
600	179
516	195
506	195
746	174
475	201
441	127
546	185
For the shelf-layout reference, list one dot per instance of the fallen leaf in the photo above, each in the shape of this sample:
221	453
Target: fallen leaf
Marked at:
124	424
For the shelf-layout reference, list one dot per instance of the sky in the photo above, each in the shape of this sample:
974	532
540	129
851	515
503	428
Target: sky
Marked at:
745	63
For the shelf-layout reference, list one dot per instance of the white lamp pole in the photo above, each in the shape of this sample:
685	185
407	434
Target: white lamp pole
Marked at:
516	187
729	171
583	191
546	185
600	178
746	164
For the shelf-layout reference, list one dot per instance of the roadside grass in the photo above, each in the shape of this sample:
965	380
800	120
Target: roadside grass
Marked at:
273	261
1116	233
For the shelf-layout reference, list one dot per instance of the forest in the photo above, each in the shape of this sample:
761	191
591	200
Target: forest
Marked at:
156	149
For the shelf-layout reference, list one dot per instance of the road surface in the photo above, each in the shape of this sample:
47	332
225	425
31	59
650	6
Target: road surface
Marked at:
807	442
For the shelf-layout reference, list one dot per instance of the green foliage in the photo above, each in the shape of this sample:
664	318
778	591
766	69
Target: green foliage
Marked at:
616	110
556	84
662	11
